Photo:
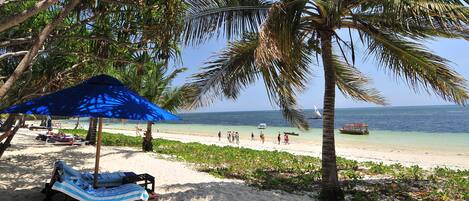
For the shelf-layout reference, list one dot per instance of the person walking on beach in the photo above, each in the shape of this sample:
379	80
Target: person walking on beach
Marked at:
262	137
237	138
232	137
286	139
137	130
229	136
219	135
279	138
252	136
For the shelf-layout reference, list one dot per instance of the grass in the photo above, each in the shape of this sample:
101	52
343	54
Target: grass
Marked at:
295	173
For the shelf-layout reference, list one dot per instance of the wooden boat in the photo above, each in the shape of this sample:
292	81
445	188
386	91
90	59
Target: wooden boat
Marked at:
354	129
291	133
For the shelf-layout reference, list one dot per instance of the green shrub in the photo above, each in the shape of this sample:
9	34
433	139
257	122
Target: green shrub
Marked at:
282	170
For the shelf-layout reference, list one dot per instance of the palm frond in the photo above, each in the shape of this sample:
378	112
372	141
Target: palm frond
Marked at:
172	99
352	83
235	68
232	70
206	19
416	65
281	89
279	34
438	14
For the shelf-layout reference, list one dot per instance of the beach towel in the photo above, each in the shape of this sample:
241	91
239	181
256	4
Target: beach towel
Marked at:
83	191
79	186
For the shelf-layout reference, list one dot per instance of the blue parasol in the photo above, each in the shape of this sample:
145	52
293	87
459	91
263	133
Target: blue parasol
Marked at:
101	96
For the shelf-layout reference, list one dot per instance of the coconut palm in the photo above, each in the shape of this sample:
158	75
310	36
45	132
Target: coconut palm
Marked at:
278	40
153	81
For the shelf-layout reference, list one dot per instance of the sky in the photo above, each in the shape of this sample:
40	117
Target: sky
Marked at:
396	92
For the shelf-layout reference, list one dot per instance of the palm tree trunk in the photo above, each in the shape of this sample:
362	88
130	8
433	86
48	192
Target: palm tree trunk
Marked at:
147	144
92	129
78	123
6	126
12	133
330	183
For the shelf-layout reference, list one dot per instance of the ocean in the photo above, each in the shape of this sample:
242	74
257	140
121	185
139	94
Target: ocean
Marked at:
448	119
433	127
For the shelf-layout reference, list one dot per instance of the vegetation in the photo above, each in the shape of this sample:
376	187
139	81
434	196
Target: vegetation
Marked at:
48	45
278	39
94	37
153	81
295	173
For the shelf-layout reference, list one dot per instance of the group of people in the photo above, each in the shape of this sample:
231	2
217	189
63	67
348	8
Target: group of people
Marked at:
285	138
233	137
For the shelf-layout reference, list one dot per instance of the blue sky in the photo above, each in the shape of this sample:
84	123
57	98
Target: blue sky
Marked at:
395	90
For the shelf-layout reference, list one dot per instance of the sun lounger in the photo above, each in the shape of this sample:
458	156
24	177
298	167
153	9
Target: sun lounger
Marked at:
61	140
80	190
38	128
78	185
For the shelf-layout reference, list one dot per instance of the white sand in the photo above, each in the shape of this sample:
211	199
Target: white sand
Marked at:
426	158
27	165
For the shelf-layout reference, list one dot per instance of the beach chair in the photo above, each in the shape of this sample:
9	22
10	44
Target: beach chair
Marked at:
117	186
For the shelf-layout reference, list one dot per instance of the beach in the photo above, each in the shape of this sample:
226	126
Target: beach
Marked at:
27	165
426	157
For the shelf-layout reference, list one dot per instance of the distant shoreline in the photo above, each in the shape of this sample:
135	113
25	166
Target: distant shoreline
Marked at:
388	154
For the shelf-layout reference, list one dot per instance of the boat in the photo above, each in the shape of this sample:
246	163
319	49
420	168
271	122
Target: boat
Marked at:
291	133
316	114
354	129
262	126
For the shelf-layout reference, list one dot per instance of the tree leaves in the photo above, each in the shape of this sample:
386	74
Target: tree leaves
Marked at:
207	19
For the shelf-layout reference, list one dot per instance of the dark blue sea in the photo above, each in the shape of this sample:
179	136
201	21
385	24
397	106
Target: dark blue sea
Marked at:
434	119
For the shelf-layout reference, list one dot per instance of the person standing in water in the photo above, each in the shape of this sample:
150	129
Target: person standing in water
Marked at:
252	136
219	135
279	138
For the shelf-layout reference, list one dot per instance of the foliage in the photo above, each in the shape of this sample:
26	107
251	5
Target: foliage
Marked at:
276	45
278	37
96	37
295	173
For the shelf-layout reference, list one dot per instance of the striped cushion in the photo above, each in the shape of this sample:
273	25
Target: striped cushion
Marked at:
126	192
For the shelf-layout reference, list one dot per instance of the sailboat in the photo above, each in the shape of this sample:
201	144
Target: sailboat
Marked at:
316	113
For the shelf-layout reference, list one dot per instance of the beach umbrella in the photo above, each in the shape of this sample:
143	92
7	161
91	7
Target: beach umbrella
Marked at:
101	96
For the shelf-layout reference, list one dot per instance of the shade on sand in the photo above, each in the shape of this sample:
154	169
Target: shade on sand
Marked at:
101	96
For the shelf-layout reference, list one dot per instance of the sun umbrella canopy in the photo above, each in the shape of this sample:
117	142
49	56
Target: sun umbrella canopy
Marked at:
100	96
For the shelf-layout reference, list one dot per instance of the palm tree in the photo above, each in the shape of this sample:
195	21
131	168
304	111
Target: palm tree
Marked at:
277	40
153	81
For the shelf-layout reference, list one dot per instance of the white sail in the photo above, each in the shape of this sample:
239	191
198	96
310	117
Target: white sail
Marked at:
316	112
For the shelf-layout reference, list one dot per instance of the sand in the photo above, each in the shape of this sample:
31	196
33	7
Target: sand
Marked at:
27	165
407	156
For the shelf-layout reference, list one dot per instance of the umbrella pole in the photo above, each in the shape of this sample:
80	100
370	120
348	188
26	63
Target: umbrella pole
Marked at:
98	151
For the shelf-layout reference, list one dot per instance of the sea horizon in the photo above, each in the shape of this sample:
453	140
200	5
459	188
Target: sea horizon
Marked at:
320	108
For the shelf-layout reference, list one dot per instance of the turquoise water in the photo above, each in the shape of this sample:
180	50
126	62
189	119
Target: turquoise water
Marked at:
435	127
